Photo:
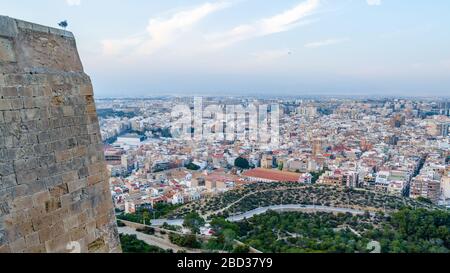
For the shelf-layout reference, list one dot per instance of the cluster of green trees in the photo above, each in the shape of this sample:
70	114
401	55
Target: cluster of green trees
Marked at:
267	194
146	230
242	163
222	200
225	235
131	244
192	167
166	226
317	175
280	166
163	132
415	231
325	196
145	215
137	217
424	200
188	241
300	233
107	113
194	222
405	231
162	210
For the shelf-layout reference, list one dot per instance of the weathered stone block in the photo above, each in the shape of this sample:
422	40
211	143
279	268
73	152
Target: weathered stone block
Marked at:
22	203
77	184
8	27
71	223
5	104
5	249
32	240
58	244
7	54
52	205
40	198
36	249
18	245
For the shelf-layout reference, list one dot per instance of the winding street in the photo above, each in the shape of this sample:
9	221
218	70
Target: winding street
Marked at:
262	210
155	241
302	208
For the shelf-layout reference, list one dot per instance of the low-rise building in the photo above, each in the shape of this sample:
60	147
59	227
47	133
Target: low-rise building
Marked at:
265	175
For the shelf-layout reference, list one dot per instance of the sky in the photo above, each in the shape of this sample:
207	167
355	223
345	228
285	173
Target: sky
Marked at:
138	48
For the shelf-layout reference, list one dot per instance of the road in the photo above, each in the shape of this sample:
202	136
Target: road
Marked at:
154	241
258	211
262	210
160	222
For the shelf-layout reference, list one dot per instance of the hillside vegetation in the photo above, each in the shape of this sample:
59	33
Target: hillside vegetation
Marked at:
257	195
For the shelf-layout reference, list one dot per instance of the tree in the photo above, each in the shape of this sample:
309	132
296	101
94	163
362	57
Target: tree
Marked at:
145	217
166	133
189	241
193	167
424	200
242	163
63	24
241	249
146	230
219	225
194	222
131	244
229	236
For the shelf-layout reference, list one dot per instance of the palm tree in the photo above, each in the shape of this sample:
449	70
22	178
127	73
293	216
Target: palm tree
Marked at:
145	216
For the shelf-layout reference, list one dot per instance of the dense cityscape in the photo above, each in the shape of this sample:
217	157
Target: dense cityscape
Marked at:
396	149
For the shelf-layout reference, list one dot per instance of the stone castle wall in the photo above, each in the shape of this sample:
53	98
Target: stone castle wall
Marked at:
53	181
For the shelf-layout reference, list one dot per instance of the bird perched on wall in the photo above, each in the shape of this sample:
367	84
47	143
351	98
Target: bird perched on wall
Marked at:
63	24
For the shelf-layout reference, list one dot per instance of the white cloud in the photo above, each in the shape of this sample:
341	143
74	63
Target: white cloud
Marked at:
73	2
114	47
162	32
325	43
176	30
275	24
165	31
374	2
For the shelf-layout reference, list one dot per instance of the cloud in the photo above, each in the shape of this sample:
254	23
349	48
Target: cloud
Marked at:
162	32
271	25
115	47
73	2
176	29
374	2
325	43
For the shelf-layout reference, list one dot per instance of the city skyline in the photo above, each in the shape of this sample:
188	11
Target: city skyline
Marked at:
211	174
292	47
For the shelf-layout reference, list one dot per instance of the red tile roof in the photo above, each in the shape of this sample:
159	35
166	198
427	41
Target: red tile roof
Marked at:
273	175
